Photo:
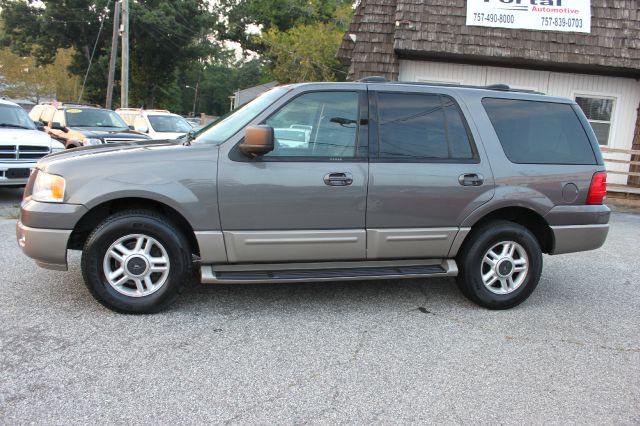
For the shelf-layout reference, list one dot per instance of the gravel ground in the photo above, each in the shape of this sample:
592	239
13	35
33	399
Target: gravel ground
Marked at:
366	352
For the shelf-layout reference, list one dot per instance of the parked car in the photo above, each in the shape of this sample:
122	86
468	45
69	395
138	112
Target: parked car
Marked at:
21	144
42	114
195	123
158	124
394	180
81	125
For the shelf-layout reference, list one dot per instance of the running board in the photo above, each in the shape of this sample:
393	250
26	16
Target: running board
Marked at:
327	271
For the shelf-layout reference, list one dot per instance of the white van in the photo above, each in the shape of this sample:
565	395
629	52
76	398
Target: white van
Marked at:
21	144
157	123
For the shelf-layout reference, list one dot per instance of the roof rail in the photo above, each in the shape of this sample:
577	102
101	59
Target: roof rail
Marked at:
374	79
497	87
75	104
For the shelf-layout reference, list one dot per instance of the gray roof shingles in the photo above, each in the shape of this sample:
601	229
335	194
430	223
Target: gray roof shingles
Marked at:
387	30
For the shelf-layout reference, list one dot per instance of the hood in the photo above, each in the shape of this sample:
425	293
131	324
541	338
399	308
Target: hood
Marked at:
109	132
107	150
10	136
169	135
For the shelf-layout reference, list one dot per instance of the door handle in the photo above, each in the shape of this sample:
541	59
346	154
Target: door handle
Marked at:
338	179
471	179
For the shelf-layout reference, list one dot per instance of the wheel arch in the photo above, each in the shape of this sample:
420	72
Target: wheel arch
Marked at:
96	214
524	216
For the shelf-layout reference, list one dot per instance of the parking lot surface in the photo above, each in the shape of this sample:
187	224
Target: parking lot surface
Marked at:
382	352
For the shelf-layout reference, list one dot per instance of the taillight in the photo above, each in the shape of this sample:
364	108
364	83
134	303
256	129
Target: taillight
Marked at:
598	188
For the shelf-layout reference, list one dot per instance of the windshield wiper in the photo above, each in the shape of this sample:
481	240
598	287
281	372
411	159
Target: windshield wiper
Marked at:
188	137
14	126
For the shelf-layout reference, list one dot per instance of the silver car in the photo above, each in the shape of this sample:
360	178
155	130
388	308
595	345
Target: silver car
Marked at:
330	181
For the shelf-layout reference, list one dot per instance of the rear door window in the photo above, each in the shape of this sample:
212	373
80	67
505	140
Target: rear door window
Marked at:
533	132
421	127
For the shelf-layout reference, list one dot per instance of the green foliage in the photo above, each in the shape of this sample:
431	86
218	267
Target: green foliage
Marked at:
23	77
305	53
273	14
165	34
217	81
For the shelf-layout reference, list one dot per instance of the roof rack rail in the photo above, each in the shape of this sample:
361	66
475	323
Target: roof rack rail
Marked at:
373	79
498	86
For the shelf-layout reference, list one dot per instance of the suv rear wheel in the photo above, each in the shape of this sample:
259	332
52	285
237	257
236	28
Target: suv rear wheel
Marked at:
500	265
136	262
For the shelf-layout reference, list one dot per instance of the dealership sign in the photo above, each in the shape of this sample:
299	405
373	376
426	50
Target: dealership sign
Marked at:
546	15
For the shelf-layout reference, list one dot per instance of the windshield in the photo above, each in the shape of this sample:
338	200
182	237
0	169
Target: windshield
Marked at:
16	117
93	117
169	123
233	122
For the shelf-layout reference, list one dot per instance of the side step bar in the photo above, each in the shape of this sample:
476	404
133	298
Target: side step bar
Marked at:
327	271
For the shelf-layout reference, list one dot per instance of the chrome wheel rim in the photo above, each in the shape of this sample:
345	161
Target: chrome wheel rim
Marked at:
504	267
136	265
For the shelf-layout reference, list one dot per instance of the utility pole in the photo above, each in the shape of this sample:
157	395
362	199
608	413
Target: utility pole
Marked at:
124	101
114	53
195	98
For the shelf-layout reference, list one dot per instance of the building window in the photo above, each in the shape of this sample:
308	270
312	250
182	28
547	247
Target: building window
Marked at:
598	112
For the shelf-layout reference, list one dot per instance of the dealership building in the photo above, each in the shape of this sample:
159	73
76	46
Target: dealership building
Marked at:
586	50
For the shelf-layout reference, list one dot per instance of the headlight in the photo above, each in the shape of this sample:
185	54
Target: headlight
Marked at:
48	188
92	141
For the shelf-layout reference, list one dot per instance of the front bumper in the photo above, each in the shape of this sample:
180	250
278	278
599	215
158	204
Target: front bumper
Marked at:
7	181
573	238
48	247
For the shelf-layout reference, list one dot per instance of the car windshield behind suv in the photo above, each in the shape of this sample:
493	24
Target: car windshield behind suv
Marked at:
90	117
11	116
169	124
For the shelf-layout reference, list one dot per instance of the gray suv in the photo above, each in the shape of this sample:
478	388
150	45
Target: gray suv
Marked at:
330	181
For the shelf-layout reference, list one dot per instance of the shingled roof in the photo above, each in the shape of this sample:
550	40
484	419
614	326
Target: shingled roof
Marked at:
386	31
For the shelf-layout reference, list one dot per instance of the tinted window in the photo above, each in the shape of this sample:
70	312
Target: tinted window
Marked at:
539	132
77	117
319	124
421	126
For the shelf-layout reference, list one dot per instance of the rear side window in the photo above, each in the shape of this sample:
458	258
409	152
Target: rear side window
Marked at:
533	132
422	127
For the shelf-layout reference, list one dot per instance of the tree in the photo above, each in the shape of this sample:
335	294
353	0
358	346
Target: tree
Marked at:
164	35
305	53
241	15
23	77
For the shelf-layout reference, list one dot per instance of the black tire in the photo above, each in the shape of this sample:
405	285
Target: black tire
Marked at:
150	224
471	256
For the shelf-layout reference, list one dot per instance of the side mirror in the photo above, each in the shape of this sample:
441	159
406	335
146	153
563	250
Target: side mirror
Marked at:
57	126
258	140
142	129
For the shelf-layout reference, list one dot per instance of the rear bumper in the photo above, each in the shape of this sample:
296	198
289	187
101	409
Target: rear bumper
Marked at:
573	238
48	247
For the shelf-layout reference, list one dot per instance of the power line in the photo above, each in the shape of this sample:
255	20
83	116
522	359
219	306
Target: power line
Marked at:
84	82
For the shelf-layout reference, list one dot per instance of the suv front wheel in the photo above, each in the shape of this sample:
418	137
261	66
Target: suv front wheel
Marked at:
500	265
136	262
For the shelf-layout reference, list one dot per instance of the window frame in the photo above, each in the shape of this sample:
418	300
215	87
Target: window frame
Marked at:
596	95
362	138
375	146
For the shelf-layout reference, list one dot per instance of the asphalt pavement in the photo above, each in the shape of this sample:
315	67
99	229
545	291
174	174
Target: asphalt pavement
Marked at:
378	352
